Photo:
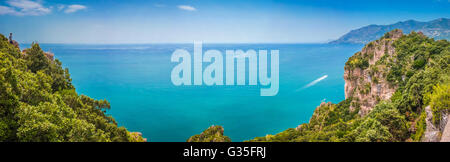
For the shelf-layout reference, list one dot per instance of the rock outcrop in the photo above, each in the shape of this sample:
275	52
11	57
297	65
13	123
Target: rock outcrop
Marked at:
13	42
436	133
365	81
137	137
446	129
431	133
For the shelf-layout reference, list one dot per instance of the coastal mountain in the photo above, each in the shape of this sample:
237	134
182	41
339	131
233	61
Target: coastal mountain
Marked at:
437	29
397	88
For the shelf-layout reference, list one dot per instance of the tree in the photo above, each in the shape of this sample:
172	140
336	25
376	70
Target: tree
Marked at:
439	101
36	58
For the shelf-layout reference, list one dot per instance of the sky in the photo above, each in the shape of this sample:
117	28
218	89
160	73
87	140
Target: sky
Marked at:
210	21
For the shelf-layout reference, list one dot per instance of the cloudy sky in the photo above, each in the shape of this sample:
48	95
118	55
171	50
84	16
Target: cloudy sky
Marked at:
214	21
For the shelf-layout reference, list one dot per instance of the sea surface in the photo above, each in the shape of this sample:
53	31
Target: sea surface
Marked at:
135	79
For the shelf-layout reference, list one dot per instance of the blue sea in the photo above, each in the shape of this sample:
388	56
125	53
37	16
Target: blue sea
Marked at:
135	78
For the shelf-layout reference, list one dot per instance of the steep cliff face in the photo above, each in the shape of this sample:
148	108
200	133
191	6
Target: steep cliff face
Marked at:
365	80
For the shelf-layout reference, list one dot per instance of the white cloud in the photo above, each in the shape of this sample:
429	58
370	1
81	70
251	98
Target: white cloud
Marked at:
61	7
7	10
74	8
313	82
24	7
35	8
187	8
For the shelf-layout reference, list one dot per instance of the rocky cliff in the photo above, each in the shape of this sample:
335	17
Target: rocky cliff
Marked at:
365	81
397	88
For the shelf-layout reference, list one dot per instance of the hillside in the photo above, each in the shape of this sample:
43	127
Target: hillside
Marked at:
38	102
212	134
437	29
388	85
397	88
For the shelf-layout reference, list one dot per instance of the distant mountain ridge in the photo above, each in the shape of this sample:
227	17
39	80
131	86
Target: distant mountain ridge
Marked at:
437	29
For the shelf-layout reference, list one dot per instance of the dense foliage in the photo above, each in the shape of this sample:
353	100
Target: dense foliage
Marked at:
357	61
419	68
39	103
439	101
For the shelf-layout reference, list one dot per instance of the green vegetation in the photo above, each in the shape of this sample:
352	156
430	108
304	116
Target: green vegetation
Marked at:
212	134
439	101
419	69
357	61
420	127
384	123
420	80
38	102
330	122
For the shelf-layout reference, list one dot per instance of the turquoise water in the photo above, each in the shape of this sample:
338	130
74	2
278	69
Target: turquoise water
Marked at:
136	80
